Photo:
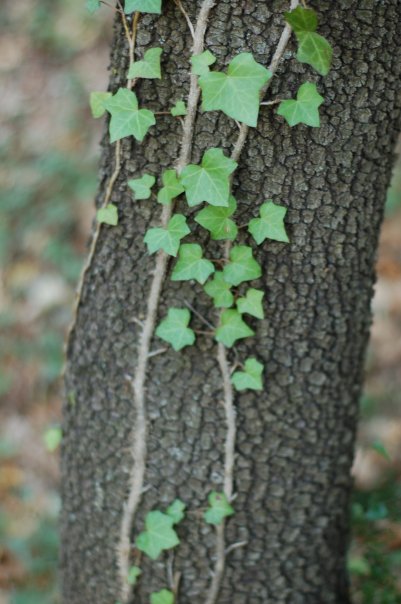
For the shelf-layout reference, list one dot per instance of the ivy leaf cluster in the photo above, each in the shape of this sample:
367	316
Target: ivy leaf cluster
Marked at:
313	48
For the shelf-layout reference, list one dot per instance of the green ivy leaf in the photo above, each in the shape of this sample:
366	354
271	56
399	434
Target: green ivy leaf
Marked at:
172	187
251	378
210	181
167	239
242	266
96	102
108	215
158	536
219	508
192	265
219	290
201	62
176	511
149	67
232	328
142	186
162	597
175	330
92	5
126	118
313	49
236	93
302	19
270	225
217	220
252	303
305	109
52	438
133	574
178	109
143	6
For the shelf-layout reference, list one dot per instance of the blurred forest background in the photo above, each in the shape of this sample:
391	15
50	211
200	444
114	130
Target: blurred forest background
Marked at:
52	54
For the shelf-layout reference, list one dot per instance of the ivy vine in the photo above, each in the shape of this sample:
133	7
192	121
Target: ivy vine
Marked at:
238	92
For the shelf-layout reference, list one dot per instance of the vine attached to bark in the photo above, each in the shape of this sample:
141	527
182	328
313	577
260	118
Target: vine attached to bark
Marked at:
239	93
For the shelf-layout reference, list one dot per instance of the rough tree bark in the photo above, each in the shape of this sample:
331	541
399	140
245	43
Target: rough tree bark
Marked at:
295	441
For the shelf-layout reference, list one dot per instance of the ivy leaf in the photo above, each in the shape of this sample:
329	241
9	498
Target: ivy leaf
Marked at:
143	6
270	225
108	215
191	264
252	303
176	511
242	266
236	93
302	19
92	5
217	221
52	438
149	67
172	187
304	110
251	378
313	49
126	118
133	574
158	536
219	290
178	109
232	328
201	62
167	239
210	181
175	330
142	186
219	508
96	102
162	597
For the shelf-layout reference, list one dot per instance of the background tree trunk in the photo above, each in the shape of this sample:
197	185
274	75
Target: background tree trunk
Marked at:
295	441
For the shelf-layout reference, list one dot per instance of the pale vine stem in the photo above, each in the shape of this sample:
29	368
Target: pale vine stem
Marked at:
138	439
230	411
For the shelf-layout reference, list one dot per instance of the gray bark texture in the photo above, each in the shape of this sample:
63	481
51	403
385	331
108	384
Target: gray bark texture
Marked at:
296	439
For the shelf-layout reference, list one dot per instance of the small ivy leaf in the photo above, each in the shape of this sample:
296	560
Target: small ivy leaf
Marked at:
172	187
242	266
304	110
219	290
379	447
251	378
158	536
149	67
108	215
162	597
142	186
236	93
126	118
178	109
192	265
167	239
52	438
217	221
210	181
201	62
252	303
302	19
270	225
219	508
176	511
133	574
92	6
232	328
143	6
175	330
96	102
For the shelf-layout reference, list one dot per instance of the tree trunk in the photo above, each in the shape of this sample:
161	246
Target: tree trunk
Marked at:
295	440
